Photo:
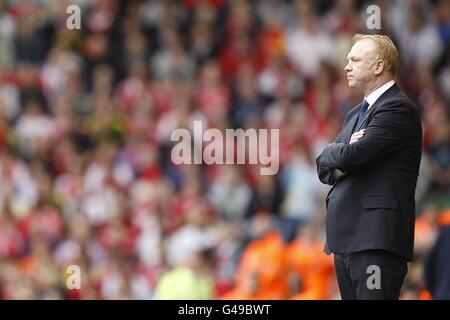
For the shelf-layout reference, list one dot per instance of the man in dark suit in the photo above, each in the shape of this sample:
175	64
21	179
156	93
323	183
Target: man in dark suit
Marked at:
373	167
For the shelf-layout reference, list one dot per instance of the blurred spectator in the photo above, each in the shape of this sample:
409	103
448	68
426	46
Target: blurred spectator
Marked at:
34	129
307	43
248	106
270	10
439	148
302	191
192	281
419	39
437	266
261	273
266	196
229	194
171	59
238	52
212	96
311	272
8	27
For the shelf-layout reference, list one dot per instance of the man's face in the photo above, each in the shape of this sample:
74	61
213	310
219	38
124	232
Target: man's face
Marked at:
361	64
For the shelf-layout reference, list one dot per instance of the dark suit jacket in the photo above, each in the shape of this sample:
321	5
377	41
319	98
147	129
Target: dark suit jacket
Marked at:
372	206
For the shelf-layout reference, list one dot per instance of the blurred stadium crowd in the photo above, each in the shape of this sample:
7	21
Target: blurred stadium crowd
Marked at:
86	117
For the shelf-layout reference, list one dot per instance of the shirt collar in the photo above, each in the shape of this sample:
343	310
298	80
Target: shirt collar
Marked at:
373	97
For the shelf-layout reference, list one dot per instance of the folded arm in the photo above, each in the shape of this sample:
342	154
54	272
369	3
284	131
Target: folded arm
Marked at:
388	131
328	175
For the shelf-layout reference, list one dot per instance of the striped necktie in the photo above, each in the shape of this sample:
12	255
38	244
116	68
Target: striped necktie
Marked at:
362	113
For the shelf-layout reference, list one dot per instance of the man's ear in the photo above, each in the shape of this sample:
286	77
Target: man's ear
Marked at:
379	67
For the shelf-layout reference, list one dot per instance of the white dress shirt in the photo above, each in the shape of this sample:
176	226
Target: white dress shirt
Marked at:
372	97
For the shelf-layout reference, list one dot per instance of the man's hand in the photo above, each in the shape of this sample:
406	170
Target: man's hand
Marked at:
357	135
337	175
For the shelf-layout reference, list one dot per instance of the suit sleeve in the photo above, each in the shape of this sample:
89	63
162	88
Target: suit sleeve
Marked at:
325	174
389	130
328	175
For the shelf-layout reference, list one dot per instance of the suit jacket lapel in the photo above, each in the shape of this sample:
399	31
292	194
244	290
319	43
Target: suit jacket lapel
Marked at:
388	93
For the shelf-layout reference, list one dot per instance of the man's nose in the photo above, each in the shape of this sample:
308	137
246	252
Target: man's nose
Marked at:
347	67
